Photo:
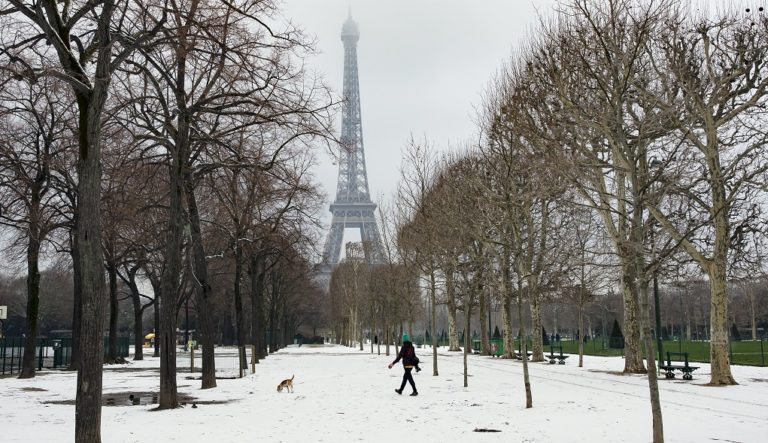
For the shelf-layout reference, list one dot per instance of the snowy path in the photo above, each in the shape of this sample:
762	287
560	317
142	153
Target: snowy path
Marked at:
347	395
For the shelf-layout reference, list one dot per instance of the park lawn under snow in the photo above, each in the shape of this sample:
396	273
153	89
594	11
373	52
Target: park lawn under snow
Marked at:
344	394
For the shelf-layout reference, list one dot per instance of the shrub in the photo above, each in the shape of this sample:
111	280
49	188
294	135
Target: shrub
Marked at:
735	336
617	338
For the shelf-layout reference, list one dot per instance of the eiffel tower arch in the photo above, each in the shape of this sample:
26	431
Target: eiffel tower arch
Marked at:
352	207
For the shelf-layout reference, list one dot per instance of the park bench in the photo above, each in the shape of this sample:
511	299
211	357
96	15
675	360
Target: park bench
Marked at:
559	358
519	357
686	369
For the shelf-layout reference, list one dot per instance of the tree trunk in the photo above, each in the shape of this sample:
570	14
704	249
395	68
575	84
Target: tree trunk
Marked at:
433	313
467	338
172	271
485	344
506	319
506	315
719	357
537	344
156	323
257	321
203	289
112	273
352	327
273	314
257	303
77	308
178	180
239	321
372	324
453	332
387	328
581	327
138	320
650	357
717	267
93	297
524	348
633	357
450	294
360	331
536	257
33	296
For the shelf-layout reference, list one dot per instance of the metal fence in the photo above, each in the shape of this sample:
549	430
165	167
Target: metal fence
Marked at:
49	352
743	352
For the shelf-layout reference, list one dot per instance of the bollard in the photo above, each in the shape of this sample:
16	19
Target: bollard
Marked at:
253	359
191	358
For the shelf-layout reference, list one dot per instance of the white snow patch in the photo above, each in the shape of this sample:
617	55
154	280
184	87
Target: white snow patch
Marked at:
343	394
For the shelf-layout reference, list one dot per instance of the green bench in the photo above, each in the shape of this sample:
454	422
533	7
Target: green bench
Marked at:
685	368
559	357
518	356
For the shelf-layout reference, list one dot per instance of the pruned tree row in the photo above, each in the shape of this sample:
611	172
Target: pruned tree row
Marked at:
624	140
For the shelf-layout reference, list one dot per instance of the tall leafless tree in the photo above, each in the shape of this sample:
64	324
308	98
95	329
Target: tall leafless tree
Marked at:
82	43
35	139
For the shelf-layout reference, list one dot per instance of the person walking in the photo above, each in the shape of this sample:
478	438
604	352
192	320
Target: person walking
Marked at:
408	355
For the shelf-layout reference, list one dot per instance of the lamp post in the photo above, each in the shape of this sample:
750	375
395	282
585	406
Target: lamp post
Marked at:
659	342
186	324
682	325
490	333
655	162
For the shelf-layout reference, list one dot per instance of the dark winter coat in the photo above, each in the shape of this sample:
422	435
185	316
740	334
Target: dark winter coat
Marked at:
408	355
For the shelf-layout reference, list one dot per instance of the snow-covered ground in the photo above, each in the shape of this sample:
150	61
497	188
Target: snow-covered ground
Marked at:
343	394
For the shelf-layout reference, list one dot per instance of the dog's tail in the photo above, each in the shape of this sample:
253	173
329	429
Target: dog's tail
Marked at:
292	377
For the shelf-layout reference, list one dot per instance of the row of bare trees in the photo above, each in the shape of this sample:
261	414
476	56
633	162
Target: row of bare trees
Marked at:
167	142
623	136
373	299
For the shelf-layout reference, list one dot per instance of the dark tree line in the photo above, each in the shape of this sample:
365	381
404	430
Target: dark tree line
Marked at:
165	145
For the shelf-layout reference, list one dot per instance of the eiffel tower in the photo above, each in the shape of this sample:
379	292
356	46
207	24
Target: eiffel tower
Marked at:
352	207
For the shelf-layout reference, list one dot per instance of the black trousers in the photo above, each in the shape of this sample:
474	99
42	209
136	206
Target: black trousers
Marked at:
407	377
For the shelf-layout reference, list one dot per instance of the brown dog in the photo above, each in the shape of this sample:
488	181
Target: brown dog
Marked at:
287	384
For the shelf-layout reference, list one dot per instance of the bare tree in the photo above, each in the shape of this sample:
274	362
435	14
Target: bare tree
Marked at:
219	71
415	231
712	86
34	141
589	265
81	43
576	80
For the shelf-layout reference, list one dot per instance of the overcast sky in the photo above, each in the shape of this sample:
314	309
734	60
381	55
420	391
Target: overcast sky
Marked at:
423	66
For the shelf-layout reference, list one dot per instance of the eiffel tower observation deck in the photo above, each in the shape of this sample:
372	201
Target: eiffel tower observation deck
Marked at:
352	207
